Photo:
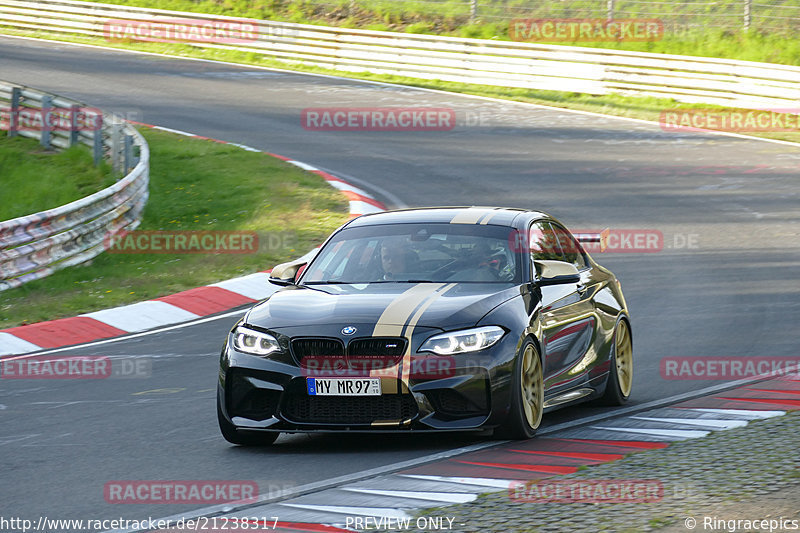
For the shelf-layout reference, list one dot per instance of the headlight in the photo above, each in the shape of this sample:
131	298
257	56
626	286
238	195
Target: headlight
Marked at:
254	342
467	340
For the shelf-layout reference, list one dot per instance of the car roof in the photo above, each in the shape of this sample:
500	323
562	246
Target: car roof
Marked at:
495	216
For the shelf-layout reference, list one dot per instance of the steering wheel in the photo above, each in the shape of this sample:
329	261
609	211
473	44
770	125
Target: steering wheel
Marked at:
445	268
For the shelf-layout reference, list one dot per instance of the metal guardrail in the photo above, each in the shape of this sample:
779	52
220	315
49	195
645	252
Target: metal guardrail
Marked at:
34	246
499	63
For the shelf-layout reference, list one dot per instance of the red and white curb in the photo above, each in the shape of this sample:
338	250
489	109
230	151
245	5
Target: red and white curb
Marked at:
395	498
175	308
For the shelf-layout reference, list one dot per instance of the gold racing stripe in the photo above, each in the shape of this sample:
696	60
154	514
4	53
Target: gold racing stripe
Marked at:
468	216
424	303
485	220
391	324
406	371
395	316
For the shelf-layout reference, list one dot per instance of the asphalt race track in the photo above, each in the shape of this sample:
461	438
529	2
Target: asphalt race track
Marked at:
734	293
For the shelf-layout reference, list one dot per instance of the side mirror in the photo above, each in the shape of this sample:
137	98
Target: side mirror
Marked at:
556	273
285	273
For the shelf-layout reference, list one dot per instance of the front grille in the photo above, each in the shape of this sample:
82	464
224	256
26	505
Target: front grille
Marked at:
378	346
316	347
376	352
347	409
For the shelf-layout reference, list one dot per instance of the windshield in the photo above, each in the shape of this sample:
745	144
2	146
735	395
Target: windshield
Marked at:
416	253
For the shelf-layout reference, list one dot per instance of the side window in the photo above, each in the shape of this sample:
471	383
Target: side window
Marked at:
569	247
543	244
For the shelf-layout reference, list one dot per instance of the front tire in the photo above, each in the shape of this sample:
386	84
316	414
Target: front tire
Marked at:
527	396
620	376
232	435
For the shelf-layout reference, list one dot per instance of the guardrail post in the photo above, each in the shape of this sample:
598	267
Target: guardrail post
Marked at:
47	104
97	141
128	153
747	8
13	120
73	124
610	9
116	132
473	11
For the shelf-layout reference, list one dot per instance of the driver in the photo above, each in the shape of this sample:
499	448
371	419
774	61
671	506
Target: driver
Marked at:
394	259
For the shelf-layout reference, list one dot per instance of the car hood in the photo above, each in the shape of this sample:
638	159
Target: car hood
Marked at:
440	305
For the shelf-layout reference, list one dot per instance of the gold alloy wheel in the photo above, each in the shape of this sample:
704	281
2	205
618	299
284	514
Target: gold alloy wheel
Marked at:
532	386
624	357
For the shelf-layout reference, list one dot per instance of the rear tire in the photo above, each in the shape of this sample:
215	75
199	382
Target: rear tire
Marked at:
234	436
527	396
620	375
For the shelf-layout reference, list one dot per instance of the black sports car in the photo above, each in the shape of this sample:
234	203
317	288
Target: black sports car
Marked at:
430	319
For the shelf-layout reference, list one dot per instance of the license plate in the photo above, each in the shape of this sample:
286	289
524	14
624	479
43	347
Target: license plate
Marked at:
344	386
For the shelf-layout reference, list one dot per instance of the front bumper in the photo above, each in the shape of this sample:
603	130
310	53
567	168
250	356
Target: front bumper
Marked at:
452	393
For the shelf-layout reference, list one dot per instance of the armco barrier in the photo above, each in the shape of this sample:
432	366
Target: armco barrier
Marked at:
34	246
501	63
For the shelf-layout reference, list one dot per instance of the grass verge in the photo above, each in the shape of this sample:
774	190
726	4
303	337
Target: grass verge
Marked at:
194	185
452	18
34	178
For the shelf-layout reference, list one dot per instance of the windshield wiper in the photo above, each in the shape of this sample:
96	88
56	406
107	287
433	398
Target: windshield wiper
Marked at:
337	282
405	281
332	282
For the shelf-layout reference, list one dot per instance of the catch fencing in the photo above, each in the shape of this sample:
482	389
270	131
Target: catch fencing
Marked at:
782	16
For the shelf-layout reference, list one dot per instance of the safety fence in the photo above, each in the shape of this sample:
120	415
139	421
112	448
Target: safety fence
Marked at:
34	246
781	16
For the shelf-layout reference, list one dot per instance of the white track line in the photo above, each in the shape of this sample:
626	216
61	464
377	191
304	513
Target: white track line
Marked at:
471	481
707	422
755	415
668	433
447	497
386	512
398	85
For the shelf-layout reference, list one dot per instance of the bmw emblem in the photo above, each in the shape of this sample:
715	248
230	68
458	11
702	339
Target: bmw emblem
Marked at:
348	330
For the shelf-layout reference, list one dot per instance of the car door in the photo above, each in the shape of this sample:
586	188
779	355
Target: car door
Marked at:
567	313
